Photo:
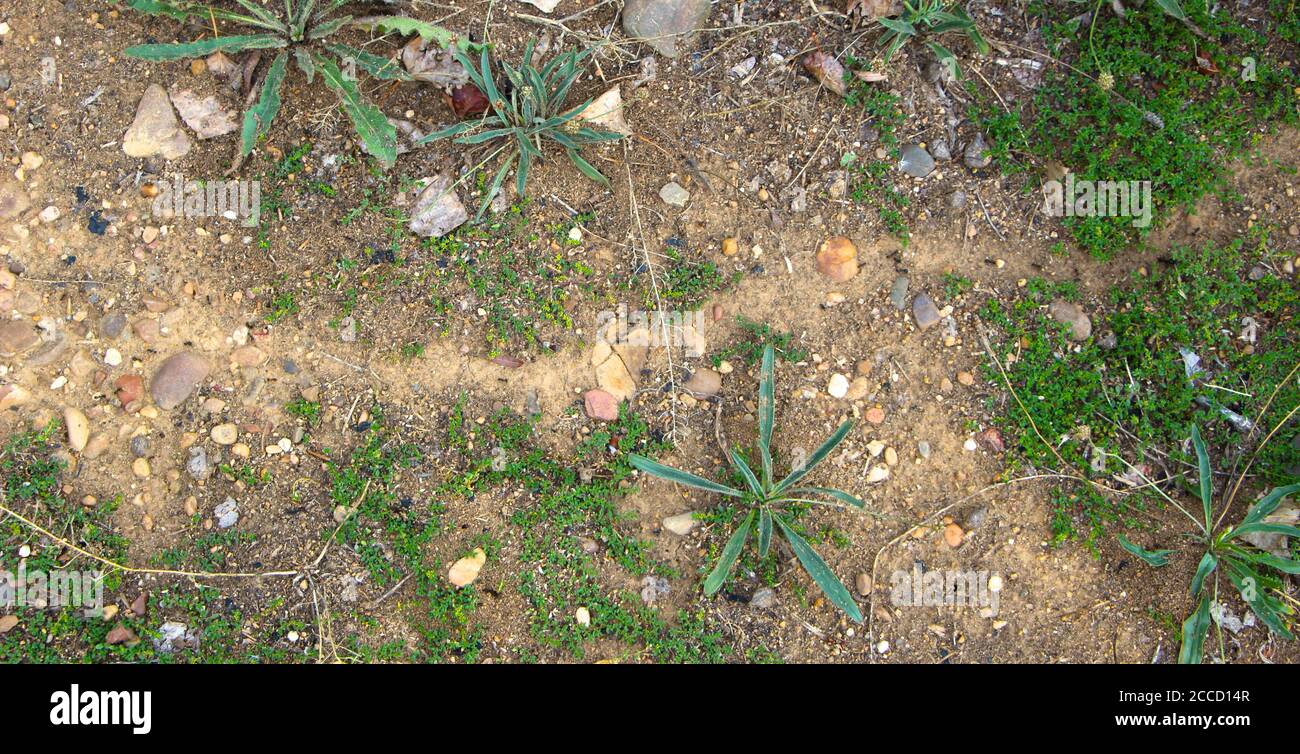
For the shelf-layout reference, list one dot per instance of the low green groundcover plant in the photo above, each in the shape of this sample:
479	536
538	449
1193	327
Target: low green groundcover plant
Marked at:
768	498
1250	569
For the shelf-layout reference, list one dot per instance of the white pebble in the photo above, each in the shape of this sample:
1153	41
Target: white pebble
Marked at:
839	386
24	551
112	357
969	444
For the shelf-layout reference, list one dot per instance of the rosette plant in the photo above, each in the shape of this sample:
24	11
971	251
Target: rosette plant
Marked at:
768	499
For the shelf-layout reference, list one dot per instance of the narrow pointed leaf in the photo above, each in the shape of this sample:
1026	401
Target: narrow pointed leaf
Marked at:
839	495
587	168
496	184
205	47
767	410
1269	503
1154	558
484	136
1194	630
265	16
456	129
728	558
1285	565
1263	528
379	136
303	57
656	469
817	457
1204	569
1206	476
738	461
764	532
821	573
376	65
1253	589
326	28
303	16
521	175
258	118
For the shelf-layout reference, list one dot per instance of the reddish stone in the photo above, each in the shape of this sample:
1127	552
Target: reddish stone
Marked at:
130	389
600	405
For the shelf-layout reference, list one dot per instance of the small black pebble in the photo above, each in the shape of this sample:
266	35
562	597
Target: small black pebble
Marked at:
97	223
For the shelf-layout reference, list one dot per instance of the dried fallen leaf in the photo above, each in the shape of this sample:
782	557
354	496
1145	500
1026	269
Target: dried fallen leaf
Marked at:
7	623
827	70
874	8
606	111
432	64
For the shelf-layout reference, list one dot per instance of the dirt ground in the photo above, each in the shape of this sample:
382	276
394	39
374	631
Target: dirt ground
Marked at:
197	281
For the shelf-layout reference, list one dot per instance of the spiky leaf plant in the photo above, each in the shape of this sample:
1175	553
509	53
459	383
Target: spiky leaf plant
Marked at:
302	27
532	113
1227	552
768	498
931	18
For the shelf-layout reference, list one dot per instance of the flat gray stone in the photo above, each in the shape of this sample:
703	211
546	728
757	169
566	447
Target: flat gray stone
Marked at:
924	311
666	25
915	161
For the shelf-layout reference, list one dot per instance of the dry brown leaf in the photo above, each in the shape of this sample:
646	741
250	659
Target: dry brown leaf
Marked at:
606	111
827	70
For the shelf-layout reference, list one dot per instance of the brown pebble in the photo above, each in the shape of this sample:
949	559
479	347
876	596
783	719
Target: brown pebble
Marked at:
953	535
